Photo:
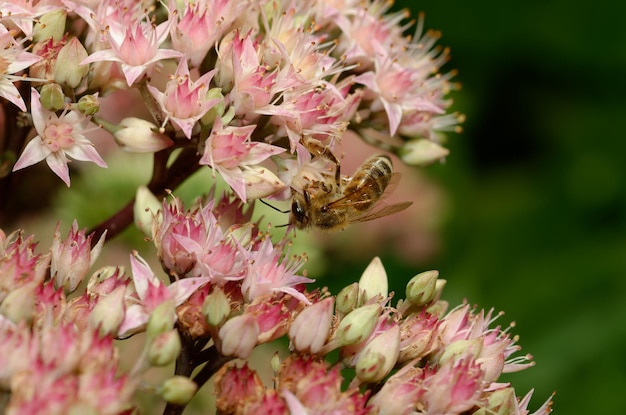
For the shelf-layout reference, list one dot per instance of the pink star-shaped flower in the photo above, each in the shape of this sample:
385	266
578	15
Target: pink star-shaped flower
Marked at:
58	136
136	47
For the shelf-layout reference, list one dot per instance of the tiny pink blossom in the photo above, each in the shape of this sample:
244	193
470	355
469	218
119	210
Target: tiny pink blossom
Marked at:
200	25
72	258
58	137
453	388
230	149
13	59
150	293
135	46
185	101
268	273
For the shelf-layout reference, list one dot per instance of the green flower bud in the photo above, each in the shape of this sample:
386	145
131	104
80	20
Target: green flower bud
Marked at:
108	314
52	97
178	390
217	110
146	205
358	324
422	287
50	26
162	318
502	402
373	282
216	307
67	70
89	104
19	304
347	299
164	348
136	135
460	348
421	152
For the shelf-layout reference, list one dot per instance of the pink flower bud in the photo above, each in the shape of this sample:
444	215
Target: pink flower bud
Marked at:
136	135
72	258
379	356
239	336
311	328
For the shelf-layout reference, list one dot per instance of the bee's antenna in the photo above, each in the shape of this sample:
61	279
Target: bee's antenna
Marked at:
274	207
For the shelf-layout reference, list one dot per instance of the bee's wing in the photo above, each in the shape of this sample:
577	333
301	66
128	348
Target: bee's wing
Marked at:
372	207
381	211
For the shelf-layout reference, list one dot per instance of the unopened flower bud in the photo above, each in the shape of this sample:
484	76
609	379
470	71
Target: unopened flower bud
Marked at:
373	282
19	304
275	363
239	336
136	135
439	308
348	298
216	110
89	104
146	205
52	97
460	348
260	182
178	390
501	402
164	348
358	324
68	70
72	257
50	26
216	307
162	318
421	289
379	356
422	152
108	313
82	408
311	328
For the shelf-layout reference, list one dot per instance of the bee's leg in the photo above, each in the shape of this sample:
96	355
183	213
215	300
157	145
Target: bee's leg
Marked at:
316	148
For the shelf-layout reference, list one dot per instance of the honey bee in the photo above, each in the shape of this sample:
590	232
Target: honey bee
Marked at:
333	205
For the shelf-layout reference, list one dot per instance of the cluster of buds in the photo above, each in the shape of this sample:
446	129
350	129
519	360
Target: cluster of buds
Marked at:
231	290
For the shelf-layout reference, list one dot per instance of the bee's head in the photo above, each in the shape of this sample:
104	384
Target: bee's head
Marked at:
299	209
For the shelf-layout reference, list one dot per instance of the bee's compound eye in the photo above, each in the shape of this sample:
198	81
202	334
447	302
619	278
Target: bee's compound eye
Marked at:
297	211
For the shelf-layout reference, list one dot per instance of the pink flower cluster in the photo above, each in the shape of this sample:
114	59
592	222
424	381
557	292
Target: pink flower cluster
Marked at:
263	93
252	81
231	289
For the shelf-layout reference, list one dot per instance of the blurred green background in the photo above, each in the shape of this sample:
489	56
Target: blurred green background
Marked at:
536	182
